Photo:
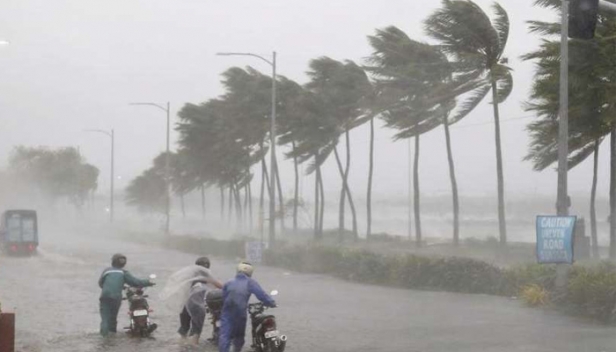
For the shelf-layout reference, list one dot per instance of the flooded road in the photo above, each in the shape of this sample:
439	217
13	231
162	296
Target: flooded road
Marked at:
55	296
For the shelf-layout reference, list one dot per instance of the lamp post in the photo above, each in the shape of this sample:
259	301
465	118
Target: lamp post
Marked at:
167	164
110	134
273	168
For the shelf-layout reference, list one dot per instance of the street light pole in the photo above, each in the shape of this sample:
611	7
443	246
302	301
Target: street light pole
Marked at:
167	110
111	208
111	135
273	164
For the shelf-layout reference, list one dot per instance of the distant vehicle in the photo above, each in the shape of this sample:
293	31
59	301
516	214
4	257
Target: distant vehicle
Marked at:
19	232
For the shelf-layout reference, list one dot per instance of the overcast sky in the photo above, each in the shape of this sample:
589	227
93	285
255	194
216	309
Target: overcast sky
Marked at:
76	64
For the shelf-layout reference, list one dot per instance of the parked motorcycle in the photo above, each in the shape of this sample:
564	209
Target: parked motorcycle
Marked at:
139	312
265	334
213	305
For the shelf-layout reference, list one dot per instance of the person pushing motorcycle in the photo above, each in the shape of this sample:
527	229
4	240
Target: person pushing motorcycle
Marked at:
193	312
111	282
236	294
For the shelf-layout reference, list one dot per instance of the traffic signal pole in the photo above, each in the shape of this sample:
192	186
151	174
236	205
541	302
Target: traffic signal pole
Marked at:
607	6
562	206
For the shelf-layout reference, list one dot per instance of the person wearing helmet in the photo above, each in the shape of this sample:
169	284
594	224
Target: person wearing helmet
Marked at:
111	282
193	312
236	294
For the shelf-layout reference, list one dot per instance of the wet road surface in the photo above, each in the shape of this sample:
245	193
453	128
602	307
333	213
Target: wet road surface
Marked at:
55	296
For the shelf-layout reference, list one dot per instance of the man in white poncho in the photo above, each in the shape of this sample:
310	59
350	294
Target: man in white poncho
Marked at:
189	286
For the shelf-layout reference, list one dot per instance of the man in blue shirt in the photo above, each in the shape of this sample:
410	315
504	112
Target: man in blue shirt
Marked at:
236	294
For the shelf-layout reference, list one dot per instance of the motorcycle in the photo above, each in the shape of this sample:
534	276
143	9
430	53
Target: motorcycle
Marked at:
213	306
265	334
139	312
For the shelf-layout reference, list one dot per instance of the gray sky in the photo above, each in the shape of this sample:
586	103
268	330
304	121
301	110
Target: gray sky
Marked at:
76	64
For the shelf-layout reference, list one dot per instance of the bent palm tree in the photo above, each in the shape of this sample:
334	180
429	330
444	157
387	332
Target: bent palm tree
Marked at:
416	93
476	45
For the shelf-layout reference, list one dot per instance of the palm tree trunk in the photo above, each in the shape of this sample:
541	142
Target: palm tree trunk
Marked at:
416	202
409	215
346	183
345	191
613	193
246	207
238	207
182	206
322	197
370	172
264	183
296	191
316	202
342	202
502	225
203	201
251	224
454	186
593	197
222	203
230	203
280	199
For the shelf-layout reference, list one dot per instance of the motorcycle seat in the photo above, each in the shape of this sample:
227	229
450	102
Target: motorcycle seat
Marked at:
259	318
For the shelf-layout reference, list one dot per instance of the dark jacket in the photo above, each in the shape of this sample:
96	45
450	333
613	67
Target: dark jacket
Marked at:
112	282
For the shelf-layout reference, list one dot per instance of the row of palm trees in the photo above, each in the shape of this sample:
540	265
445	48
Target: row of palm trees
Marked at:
414	87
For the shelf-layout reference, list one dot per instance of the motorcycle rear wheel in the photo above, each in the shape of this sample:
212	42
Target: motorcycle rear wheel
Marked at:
270	346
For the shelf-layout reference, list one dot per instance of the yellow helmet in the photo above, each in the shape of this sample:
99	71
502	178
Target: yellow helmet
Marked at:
245	268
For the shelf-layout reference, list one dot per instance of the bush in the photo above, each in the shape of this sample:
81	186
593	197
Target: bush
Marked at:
410	271
591	291
534	295
206	246
530	274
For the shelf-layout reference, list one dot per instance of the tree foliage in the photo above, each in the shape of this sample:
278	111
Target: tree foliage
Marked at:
55	173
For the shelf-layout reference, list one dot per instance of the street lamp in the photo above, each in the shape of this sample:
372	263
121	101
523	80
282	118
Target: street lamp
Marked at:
167	164
110	134
273	166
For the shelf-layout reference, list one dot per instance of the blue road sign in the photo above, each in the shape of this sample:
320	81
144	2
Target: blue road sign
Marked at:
555	239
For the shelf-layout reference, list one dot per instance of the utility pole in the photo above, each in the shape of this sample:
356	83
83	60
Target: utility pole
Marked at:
167	110
111	135
562	206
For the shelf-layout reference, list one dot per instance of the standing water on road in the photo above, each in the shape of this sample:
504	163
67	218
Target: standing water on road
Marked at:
55	296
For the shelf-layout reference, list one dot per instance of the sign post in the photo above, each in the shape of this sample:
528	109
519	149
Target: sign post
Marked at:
254	252
555	239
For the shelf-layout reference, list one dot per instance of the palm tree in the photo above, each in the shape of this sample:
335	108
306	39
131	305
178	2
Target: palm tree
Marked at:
147	192
591	99
476	45
288	92
341	88
312	133
416	93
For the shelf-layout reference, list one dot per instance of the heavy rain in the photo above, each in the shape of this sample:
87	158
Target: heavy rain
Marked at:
279	175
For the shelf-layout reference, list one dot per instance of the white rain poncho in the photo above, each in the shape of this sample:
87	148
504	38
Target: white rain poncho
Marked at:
177	289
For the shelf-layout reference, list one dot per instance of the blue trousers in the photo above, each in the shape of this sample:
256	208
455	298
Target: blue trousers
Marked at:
232	331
